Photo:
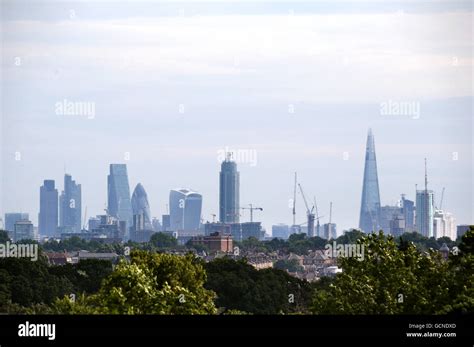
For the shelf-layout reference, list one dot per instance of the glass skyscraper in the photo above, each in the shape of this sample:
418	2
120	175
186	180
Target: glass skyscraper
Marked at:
425	212
229	191
48	213
140	206
425	209
11	219
185	210
118	194
70	206
370	202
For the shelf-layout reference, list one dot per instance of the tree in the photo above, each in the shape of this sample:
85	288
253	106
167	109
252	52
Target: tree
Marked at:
241	287
388	280
151	283
4	236
162	240
291	265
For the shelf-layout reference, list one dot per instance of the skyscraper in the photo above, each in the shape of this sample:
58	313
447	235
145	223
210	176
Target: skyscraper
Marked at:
70	206
185	209
118	194
425	209
229	191
370	202
13	217
140	206
48	214
408	210
23	230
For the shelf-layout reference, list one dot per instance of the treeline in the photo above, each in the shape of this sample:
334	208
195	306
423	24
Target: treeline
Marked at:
301	244
391	278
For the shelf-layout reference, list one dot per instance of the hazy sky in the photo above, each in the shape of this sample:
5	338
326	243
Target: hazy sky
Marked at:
296	84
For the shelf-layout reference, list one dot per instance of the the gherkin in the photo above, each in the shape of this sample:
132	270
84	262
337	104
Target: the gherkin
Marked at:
370	202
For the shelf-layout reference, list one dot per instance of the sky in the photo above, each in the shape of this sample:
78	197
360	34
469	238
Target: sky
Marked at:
290	86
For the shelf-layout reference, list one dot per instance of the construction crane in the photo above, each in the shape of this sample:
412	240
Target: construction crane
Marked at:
251	208
318	227
309	214
294	200
441	201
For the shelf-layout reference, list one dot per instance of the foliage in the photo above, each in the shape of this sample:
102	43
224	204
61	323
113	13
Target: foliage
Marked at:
4	236
162	240
239	286
394	279
291	265
151	283
76	243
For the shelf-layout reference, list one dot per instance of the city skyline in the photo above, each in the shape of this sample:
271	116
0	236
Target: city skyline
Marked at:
118	189
187	92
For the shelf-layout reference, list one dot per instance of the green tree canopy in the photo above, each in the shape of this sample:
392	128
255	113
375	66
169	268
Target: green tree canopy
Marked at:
151	283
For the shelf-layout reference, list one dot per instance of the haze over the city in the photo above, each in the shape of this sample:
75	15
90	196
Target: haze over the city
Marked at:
173	86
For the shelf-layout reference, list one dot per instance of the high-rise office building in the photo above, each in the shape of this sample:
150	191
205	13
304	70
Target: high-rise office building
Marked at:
70	206
281	231
425	209
140	206
48	214
12	218
23	230
386	215
165	218
408	211
444	225
185	209
462	229
118	194
229	191
370	202
329	231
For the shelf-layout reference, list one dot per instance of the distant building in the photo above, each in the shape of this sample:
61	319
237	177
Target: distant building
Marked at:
109	230
462	229
156	225
444	225
397	225
330	231
229	191
386	215
166	222
70	205
408	211
11	219
93	223
48	213
185	209
212	228
140	206
215	242
370	202
118	195
23	230
425	212
281	231
425	209
242	231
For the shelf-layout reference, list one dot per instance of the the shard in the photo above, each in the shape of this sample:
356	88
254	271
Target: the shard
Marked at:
370	202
